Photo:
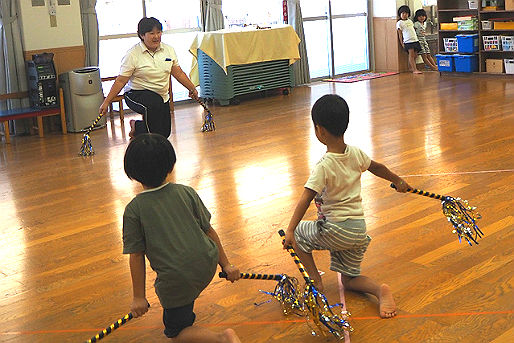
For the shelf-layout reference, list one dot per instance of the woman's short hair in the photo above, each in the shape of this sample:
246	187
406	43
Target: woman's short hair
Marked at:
149	158
147	25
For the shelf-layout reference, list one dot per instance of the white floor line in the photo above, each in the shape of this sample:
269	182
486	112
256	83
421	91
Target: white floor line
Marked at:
462	173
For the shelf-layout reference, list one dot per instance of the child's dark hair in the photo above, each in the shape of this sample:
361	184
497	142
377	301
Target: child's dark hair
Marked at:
147	25
149	158
402	9
420	13
331	112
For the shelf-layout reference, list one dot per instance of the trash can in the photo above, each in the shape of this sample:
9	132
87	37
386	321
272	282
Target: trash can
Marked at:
83	95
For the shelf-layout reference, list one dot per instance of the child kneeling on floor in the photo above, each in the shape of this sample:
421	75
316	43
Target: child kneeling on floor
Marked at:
169	224
335	184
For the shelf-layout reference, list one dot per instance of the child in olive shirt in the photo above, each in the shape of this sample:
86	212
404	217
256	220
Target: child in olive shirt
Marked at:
169	224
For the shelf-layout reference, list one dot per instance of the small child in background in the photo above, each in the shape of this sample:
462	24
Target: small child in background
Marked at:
335	185
169	224
420	26
407	36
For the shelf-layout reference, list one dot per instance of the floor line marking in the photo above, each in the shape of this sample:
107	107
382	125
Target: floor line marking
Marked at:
428	315
463	173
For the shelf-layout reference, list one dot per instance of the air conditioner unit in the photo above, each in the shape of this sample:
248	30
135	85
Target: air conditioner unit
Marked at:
242	78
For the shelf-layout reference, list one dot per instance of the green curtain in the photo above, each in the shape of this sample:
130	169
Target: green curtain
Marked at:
13	76
90	31
301	67
212	15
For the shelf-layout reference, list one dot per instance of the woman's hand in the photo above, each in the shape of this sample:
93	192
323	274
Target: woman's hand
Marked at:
193	94
103	108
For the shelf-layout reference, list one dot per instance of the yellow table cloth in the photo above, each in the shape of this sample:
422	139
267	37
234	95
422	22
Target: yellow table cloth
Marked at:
245	45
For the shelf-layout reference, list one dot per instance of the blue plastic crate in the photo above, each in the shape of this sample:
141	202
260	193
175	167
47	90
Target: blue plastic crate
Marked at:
466	63
445	62
467	43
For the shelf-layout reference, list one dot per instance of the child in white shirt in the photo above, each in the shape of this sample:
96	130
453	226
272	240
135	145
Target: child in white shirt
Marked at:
407	36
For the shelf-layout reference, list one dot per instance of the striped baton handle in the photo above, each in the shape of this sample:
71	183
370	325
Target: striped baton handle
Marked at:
296	259
276	277
426	194
111	328
94	123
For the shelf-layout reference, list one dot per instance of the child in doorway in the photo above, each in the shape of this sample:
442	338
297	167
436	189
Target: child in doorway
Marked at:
420	25
336	187
407	37
169	224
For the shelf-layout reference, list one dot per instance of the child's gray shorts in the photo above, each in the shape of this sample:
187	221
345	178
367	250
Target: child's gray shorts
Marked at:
347	242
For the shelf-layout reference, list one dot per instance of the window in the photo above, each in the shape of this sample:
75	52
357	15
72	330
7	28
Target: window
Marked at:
117	24
262	12
336	36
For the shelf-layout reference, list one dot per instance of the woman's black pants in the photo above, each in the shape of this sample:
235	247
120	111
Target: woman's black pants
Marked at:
156	112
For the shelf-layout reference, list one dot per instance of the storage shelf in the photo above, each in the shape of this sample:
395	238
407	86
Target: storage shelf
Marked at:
458	31
497	11
496	30
456	8
497	51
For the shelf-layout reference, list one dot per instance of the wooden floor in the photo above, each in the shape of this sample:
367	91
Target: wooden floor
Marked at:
63	276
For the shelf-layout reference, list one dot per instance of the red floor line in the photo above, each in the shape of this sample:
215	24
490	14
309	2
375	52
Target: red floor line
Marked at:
428	315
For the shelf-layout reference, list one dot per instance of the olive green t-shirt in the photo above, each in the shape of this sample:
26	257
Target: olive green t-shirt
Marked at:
169	224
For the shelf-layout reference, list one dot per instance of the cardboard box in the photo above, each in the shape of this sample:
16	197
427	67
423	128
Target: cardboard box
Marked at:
449	26
504	25
494	66
509	5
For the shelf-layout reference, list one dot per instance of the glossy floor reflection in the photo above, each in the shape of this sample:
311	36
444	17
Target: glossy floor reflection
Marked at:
63	276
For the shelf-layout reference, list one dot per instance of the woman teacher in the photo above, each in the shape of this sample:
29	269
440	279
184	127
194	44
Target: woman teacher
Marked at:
145	73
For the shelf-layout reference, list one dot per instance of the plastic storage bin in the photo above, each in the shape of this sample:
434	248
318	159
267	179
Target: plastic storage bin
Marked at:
445	62
467	43
509	65
507	43
450	44
473	4
487	25
465	63
491	43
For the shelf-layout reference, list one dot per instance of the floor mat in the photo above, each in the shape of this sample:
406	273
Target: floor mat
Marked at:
359	77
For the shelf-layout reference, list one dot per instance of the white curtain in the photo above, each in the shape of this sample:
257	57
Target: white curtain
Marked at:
13	77
301	67
89	31
212	16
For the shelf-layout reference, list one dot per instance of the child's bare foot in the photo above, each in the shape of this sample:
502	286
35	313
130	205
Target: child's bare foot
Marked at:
132	132
417	72
386	300
230	336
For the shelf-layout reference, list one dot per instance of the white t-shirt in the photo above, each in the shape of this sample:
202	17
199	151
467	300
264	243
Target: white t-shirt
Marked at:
408	32
337	178
147	70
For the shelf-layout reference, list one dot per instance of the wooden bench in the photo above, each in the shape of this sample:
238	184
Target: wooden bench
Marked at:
118	98
30	112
